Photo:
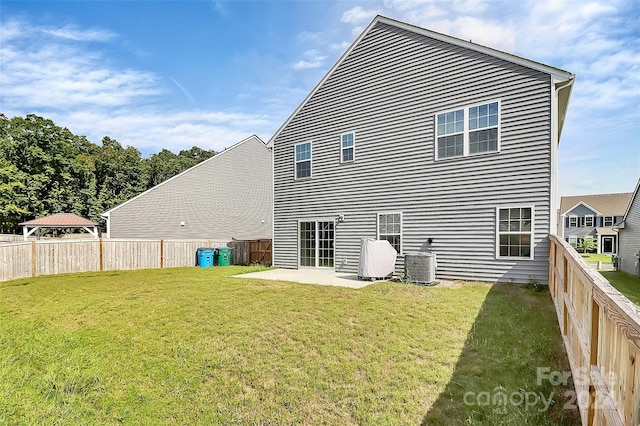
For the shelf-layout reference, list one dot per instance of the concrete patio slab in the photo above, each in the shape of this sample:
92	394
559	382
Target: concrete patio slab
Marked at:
309	276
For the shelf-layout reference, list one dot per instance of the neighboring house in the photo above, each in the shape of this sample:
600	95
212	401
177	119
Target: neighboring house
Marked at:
629	233
430	142
229	195
593	216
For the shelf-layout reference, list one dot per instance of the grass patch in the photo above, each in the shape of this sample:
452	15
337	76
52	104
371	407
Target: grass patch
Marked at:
196	346
625	283
595	258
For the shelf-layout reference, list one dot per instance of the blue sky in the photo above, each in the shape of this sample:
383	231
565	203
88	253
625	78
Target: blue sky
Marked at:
173	74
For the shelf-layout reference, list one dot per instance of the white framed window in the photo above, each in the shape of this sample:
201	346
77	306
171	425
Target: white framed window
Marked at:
348	147
589	221
302	156
514	233
467	131
390	229
608	221
573	242
573	221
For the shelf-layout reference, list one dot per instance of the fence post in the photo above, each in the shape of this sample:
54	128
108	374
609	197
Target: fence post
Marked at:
161	254
593	357
101	254
34	260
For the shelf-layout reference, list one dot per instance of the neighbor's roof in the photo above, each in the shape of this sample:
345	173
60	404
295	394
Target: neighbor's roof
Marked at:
605	204
215	159
557	73
60	220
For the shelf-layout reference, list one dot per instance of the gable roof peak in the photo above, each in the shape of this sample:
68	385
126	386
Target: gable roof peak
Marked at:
558	75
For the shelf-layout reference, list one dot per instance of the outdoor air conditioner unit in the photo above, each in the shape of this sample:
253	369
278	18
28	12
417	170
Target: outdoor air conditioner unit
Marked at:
420	268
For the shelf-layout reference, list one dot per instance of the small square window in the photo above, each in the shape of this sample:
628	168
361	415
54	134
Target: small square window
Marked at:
450	146
589	221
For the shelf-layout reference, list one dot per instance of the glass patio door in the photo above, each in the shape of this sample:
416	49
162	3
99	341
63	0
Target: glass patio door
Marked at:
316	244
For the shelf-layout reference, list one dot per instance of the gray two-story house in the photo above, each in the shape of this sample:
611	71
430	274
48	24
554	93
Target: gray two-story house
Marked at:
593	216
430	142
629	234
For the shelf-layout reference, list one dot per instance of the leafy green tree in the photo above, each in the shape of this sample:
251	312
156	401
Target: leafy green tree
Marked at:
120	173
12	196
586	244
46	169
166	164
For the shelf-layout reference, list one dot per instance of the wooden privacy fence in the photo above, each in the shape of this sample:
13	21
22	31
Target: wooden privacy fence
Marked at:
35	258
601	332
250	252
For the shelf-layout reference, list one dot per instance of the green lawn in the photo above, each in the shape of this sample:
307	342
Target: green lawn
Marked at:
627	284
195	346
594	258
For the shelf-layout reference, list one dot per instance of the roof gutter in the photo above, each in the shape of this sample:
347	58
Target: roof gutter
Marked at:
564	101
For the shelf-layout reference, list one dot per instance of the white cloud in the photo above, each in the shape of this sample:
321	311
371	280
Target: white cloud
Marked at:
470	6
498	35
313	59
403	5
307	36
45	74
358	15
73	33
150	130
340	46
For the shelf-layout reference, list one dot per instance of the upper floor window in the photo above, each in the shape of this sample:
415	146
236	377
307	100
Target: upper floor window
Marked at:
515	232
469	130
390	229
303	160
347	147
589	221
573	221
608	221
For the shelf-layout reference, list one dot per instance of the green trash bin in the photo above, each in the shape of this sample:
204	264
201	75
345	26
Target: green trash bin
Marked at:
224	256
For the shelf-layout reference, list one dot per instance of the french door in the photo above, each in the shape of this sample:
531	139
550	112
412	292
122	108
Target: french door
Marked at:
316	244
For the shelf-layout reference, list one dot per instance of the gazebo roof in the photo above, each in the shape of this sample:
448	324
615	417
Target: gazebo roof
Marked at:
60	220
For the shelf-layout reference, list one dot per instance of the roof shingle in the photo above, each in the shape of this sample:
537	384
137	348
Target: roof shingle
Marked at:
60	220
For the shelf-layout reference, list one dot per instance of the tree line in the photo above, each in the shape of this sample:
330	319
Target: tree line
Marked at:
46	169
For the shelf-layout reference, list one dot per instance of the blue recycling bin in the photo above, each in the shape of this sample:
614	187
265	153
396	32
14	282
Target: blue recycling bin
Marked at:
205	257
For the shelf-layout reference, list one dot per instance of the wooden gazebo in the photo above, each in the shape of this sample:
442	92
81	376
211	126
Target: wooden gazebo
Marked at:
60	221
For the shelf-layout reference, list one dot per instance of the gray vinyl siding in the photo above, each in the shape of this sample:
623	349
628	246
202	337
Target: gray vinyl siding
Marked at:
388	90
630	238
227	196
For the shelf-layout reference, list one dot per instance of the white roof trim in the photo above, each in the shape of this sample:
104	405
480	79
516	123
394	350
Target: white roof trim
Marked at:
633	197
557	73
107	213
584	204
